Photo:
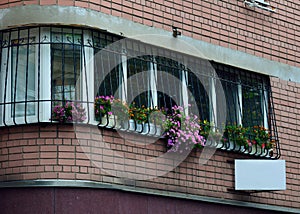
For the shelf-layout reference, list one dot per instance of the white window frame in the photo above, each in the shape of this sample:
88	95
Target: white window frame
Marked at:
45	81
152	83
44	49
87	78
7	52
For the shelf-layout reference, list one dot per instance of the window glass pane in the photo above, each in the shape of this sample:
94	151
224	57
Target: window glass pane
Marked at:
107	65
253	98
245	96
170	84
229	79
199	94
66	71
23	77
252	106
138	87
108	74
232	102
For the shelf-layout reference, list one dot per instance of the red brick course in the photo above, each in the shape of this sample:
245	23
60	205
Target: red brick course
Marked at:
275	36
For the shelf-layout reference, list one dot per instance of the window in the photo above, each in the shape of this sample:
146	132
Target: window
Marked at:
23	77
66	65
162	78
41	67
19	65
247	96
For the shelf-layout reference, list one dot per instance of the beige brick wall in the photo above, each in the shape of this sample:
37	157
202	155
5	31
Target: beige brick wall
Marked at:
53	152
287	107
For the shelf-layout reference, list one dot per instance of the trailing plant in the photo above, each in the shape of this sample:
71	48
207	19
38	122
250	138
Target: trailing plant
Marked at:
182	131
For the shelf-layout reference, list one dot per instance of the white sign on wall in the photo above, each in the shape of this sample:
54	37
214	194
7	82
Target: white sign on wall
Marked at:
260	175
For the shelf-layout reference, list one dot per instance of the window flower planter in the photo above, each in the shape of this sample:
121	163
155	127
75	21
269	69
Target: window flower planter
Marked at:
134	126
110	112
180	128
110	121
152	129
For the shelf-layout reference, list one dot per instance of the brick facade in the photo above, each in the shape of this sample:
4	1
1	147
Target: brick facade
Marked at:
53	152
56	152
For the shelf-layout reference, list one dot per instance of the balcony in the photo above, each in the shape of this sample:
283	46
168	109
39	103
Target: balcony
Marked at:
53	74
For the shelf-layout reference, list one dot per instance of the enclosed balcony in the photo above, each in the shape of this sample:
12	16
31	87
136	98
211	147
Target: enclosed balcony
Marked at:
52	74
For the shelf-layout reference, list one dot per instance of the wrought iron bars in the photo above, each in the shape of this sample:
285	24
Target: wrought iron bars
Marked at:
45	67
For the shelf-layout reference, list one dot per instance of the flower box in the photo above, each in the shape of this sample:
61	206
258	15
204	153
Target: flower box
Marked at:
110	121
152	129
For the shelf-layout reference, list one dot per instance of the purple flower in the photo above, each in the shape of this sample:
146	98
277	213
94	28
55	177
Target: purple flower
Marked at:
69	112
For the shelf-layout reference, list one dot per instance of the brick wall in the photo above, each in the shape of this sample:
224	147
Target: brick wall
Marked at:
287	108
274	36
55	152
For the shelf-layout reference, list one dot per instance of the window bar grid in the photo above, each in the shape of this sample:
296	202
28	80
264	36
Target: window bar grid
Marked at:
111	56
273	129
163	102
197	88
253	82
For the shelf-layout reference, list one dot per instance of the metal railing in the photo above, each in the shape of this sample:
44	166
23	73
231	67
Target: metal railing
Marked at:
50	72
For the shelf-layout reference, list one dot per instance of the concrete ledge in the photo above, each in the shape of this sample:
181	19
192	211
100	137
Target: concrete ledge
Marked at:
61	15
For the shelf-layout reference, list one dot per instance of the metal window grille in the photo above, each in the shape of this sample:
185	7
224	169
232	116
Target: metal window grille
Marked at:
44	67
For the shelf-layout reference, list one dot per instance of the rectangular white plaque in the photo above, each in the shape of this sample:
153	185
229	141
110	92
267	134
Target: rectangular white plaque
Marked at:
260	175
